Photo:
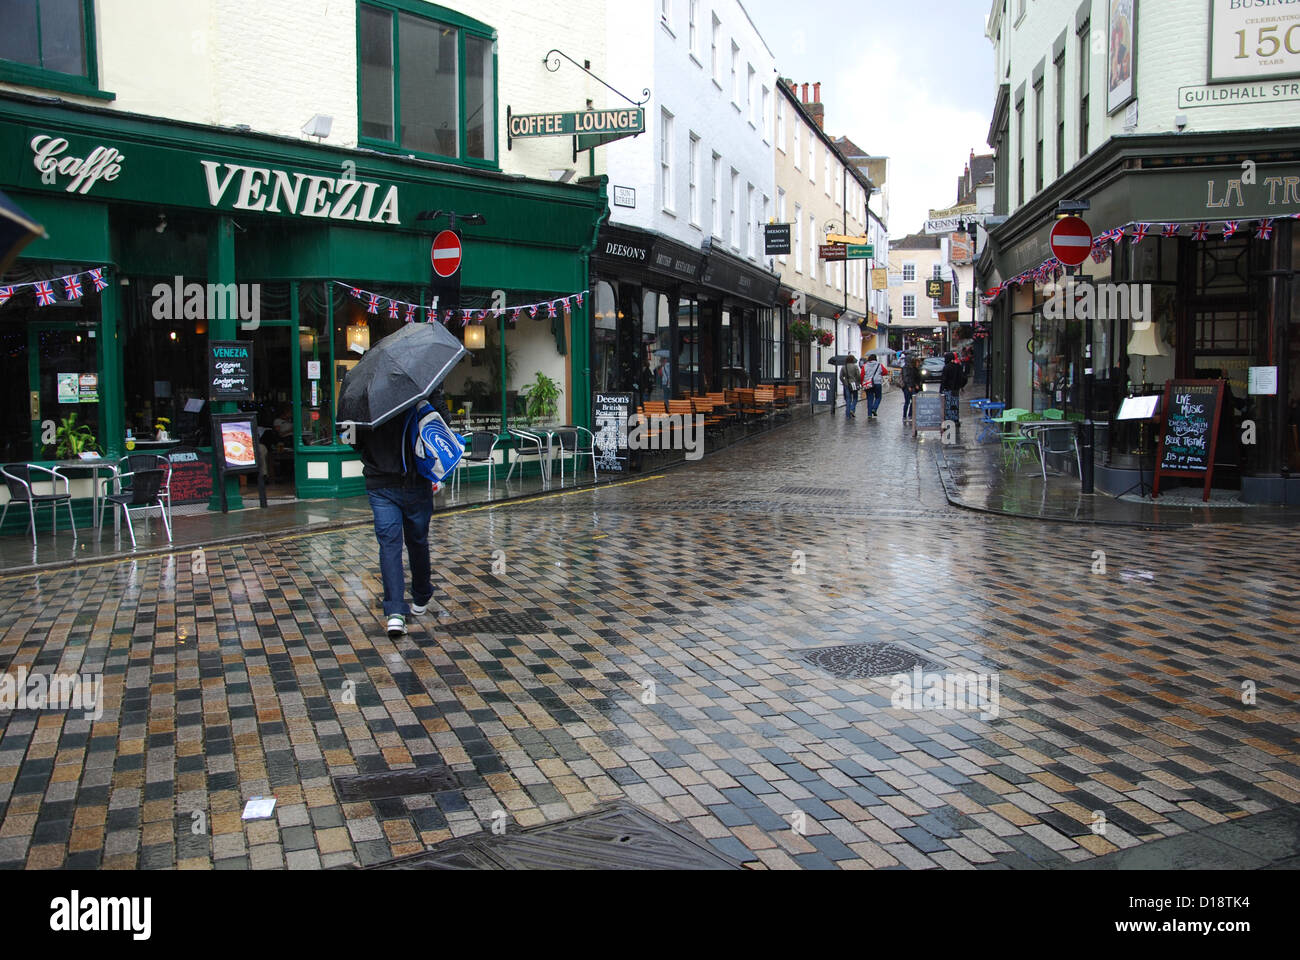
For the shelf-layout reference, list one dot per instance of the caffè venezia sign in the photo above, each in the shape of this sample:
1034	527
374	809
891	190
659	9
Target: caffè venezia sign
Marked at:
165	175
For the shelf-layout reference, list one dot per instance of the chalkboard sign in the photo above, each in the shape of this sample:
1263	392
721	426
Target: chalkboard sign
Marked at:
823	389
610	414
191	475
230	370
1189	431
927	411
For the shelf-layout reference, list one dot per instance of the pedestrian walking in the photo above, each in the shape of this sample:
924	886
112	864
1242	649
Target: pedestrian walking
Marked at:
951	384
851	378
873	377
911	385
402	503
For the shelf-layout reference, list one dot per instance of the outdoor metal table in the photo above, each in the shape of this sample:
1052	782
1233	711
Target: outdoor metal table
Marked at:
534	436
94	466
1034	429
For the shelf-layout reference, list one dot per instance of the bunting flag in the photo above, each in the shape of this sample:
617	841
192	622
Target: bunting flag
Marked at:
1172	230
47	293
72	287
392	309
465	316
1139	233
5	294
1200	231
449	317
468	314
532	310
550	310
583	295
1229	229
97	278
355	293
1265	230
515	317
1099	253
373	305
44	294
410	313
568	307
430	315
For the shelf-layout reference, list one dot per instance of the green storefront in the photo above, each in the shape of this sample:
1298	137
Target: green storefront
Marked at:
176	212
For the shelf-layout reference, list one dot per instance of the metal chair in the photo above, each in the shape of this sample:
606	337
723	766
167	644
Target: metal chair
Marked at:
18	478
138	462
535	440
570	437
145	492
481	448
1046	438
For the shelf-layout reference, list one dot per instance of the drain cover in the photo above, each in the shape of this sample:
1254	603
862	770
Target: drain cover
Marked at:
860	661
507	624
814	491
395	783
618	837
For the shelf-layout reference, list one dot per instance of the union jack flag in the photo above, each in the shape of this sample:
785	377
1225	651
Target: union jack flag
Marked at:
410	313
430	315
514	317
451	315
482	315
355	293
1116	235
97	278
1140	232
583	296
550	309
1265	230
373	305
1099	253
44	295
1200	231
1229	229
392	309
1172	229
568	307
72	287
465	316
5	294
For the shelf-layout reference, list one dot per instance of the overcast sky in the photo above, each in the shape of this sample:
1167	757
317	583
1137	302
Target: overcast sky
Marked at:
909	79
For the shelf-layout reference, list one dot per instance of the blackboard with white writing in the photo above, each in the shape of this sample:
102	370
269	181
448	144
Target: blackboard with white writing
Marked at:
928	410
230	370
1190	429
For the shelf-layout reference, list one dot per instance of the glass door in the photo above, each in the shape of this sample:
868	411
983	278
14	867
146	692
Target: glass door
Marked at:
63	382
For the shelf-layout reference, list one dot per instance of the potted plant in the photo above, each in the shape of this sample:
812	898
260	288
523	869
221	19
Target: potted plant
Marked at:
543	399
825	338
801	330
162	426
73	439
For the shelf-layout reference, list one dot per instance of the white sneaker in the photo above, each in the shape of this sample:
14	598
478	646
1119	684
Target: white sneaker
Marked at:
396	626
419	610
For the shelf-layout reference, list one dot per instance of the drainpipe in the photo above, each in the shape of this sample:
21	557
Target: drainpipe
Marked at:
580	341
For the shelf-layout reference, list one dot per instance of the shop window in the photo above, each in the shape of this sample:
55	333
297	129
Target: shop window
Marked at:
686	379
604	346
50	44
318	393
164	367
415	72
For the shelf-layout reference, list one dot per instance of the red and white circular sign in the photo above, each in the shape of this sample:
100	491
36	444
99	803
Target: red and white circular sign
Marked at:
446	254
1071	241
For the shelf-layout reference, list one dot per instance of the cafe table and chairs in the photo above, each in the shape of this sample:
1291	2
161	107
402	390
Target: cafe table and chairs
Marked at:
540	439
143	493
22	480
94	466
578	443
480	448
986	409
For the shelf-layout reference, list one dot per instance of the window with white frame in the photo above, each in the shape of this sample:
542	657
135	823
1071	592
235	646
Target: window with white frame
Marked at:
812	157
839	187
749	219
715	58
780	124
693	30
812	247
909	272
798	238
666	159
735	74
826	170
715	204
733	222
766	215
797	153
909	306
937	271
751	92
694	176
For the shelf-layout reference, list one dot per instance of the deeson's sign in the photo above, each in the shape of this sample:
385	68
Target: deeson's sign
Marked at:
238	187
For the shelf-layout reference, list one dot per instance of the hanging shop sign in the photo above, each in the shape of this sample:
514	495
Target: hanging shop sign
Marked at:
934	289
860	251
230	370
832	251
1190	431
776	239
1247	45
880	278
611	124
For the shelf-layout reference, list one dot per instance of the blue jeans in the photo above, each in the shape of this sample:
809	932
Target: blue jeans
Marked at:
850	401
403	513
873	398
907	402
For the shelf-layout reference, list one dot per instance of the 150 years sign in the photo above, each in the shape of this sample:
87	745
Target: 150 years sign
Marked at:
1253	39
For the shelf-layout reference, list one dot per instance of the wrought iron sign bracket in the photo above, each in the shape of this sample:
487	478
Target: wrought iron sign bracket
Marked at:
552	61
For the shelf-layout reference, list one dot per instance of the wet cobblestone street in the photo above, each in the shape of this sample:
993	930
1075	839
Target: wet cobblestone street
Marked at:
667	642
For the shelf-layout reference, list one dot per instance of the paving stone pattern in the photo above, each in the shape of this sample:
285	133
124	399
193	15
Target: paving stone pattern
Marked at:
649	643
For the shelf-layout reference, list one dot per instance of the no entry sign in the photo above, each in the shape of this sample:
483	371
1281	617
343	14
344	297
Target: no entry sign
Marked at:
1071	241
446	254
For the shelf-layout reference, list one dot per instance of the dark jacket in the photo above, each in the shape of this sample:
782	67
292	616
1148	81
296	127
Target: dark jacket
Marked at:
953	378
911	379
381	450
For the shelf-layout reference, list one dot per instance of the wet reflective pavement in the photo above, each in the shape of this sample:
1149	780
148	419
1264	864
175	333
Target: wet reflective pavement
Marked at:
667	642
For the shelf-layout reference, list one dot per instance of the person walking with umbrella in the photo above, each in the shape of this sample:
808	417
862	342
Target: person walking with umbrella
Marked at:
377	396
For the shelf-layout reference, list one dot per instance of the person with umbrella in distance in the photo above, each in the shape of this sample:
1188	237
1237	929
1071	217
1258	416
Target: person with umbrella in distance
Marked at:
377	399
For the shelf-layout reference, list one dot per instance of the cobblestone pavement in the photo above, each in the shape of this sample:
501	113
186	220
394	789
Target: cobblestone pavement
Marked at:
671	642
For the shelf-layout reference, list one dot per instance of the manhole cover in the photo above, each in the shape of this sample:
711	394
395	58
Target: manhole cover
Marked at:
506	624
618	837
395	783
861	661
815	491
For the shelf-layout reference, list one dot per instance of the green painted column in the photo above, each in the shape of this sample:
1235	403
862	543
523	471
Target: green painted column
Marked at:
221	269
112	393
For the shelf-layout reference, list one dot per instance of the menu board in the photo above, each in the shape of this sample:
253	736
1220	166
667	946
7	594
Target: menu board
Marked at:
610	414
230	370
1189	432
191	475
927	408
823	389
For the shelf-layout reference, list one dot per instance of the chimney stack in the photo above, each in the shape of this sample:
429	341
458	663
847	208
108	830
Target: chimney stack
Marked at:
804	95
817	93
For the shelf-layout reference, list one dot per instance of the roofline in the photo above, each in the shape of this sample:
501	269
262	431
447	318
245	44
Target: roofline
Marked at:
757	32
826	138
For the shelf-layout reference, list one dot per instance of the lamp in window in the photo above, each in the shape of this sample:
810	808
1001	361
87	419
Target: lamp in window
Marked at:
358	335
306	340
1146	342
475	337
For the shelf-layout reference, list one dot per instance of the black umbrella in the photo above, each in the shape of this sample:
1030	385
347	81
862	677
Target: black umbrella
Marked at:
397	373
17	229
